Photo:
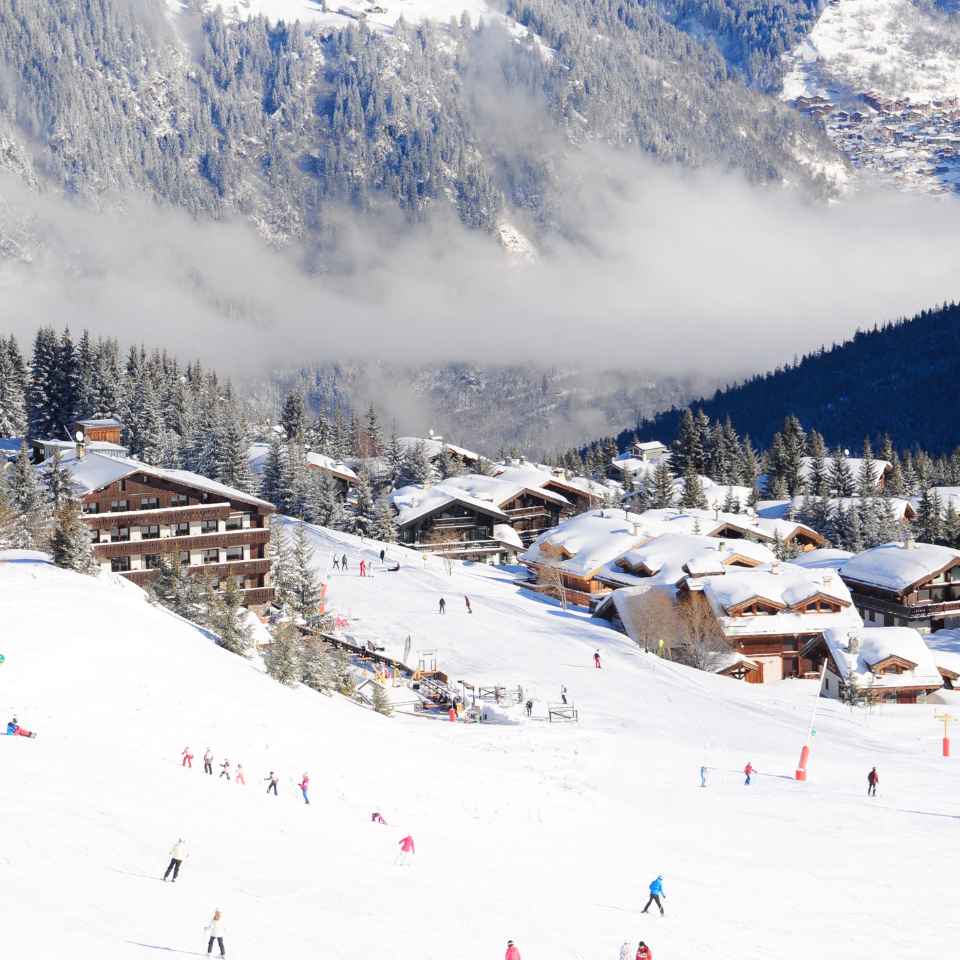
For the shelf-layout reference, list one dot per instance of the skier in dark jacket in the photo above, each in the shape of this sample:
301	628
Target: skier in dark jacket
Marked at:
343	563
467	601
656	892
443	605
272	784
873	778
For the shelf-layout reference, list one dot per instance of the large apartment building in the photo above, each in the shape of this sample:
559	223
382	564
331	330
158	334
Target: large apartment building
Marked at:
140	514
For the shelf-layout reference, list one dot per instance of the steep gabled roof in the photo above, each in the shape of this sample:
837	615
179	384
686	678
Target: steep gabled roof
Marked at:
898	567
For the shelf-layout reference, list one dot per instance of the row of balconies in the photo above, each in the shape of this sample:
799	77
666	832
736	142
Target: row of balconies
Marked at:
131	534
212	558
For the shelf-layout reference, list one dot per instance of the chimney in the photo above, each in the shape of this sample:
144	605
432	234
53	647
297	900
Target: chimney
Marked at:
81	445
853	643
722	545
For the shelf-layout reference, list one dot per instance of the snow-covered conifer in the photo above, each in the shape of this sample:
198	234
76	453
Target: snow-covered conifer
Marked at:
364	508
384	526
305	591
283	660
661	492
71	545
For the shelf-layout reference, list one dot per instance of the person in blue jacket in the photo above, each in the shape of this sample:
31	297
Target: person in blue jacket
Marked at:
656	892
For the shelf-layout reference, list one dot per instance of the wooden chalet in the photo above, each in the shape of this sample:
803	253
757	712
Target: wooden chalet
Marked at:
760	530
140	515
103	436
906	585
579	497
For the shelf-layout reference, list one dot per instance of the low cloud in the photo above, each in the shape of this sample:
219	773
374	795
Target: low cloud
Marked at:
673	273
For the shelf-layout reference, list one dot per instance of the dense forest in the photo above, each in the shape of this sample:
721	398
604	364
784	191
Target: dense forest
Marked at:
898	379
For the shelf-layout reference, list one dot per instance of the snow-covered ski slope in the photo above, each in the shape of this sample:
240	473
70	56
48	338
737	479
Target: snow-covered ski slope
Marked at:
547	834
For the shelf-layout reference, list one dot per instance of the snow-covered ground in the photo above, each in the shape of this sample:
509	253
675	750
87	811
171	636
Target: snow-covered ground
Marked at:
544	833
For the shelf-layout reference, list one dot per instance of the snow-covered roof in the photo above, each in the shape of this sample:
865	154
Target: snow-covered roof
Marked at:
787	587
506	534
640	469
95	446
539	475
876	644
96	470
414	502
945	647
825	558
711	522
107	422
896	566
649	445
257	460
498	491
434	447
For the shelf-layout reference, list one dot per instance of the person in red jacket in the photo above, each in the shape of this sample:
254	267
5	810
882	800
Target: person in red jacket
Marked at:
304	785
187	758
748	770
512	952
363	568
407	850
596	659
644	952
873	778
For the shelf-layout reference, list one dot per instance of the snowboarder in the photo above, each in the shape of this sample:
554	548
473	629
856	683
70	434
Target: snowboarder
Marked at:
512	952
15	730
272	784
187	758
208	762
656	892
443	605
748	771
238	776
644	952
225	770
377	818
304	785
703	776
407	850
336	564
529	708
363	568
467	601
873	778
215	929
383	554
563	694
596	659
343	563
178	853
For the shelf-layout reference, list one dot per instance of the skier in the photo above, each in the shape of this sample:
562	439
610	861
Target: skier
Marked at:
15	730
187	758
512	952
225	770
304	785
596	659
452	714
748	770
873	778
343	563
626	951
407	850
273	783
215	929
467	600
238	776
644	952
377	818
563	694
383	554
656	892
529	708
703	776
443	605
208	762
178	853
336	564
363	568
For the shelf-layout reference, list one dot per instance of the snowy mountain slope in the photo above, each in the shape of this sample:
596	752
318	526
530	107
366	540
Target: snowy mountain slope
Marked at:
544	833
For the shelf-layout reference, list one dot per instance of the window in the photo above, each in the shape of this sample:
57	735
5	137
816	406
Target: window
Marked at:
888	619
91	507
233	553
211	556
209	526
119	534
151	561
235	521
184	558
181	530
150	533
149	503
179	500
118	506
120	564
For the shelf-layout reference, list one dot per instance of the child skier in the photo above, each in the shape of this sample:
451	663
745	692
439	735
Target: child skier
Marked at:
656	892
187	758
336	564
343	563
626	951
272	785
407	850
178	853
224	770
377	818
873	778
596	659
238	776
363	568
512	952
644	952
216	931
208	762
304	785
748	771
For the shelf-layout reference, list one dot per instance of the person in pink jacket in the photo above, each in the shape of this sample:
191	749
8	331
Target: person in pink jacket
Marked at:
304	785
187	758
407	850
512	952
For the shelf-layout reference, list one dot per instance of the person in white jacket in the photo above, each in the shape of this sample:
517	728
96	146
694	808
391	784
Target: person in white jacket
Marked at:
178	854
215	929
626	952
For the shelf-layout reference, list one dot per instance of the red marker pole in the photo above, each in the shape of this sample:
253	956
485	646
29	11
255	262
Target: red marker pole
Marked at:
801	773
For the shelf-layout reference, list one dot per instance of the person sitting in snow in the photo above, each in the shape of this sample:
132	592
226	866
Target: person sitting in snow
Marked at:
512	952
644	952
377	818
15	730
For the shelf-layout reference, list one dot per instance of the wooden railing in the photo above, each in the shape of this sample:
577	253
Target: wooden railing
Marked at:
131	548
144	518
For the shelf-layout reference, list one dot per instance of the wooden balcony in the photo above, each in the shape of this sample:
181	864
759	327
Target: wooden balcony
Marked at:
168	515
204	541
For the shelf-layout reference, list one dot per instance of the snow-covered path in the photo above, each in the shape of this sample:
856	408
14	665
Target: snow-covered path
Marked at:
544	833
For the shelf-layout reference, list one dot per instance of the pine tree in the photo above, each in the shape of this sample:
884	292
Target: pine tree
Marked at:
867	474
749	465
271	483
8	518
305	592
13	419
364	510
295	481
146	424
794	447
317	666
818	480
384	526
418	467
66	385
929	519
374	434
662	492
72	547
688	448
731	502
381	702
228	618
293	417
910	482
693	496
951	526
58	480
41	403
233	468
281	566
32	515
344	681
283	659
841	476
87	375
396	461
